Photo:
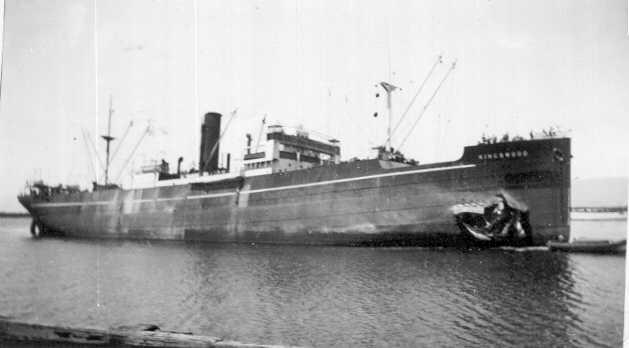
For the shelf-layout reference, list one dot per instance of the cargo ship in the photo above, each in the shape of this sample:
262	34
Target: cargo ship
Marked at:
295	189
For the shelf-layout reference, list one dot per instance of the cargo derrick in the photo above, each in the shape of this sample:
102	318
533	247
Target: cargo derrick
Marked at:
295	189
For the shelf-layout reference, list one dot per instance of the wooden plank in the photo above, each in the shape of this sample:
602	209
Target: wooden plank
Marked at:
136	336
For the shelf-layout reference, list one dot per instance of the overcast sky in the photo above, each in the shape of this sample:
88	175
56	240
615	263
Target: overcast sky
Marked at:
522	65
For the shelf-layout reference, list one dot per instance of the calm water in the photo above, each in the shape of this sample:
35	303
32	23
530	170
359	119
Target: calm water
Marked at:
320	296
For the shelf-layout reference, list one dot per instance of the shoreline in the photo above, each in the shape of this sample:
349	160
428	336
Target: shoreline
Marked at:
14	215
25	334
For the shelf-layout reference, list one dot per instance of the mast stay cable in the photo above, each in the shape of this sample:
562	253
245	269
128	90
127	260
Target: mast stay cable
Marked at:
89	155
100	161
126	162
419	90
4	29
260	132
421	114
124	136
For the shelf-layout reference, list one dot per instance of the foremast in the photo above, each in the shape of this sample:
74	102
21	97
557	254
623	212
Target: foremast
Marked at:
108	139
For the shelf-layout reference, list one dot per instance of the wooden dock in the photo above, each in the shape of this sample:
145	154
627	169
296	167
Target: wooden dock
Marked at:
22	334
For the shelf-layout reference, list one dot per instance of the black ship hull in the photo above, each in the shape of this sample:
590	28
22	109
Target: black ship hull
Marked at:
370	202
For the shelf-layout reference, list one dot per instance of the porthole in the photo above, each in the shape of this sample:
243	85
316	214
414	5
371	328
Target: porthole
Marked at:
501	155
508	155
525	153
480	157
519	153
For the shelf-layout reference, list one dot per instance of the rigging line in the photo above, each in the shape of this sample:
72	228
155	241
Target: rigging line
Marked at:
89	155
124	165
4	25
389	47
95	49
121	141
419	90
260	132
421	114
195	73
387	143
100	161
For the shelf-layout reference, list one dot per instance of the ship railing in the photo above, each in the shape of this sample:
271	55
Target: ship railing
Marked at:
506	138
303	133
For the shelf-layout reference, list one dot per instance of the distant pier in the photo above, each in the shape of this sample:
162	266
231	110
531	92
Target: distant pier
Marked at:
598	213
621	210
4	214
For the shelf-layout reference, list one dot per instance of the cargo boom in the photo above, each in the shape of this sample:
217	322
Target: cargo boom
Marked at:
296	190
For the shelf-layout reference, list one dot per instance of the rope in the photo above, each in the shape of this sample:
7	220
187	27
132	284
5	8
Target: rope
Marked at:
148	128
100	161
421	87
260	132
121	141
421	114
89	155
4	39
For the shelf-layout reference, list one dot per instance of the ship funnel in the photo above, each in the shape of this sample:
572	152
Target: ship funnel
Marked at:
248	143
210	134
179	165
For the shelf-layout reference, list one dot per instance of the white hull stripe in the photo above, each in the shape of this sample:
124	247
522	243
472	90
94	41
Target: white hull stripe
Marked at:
288	187
367	177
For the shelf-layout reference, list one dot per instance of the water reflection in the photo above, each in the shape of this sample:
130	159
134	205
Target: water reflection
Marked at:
388	295
322	296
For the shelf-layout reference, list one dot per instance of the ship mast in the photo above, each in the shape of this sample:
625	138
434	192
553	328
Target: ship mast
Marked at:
108	138
195	69
389	88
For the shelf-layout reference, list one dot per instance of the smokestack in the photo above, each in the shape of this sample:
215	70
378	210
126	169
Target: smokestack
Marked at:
248	143
229	157
179	166
210	134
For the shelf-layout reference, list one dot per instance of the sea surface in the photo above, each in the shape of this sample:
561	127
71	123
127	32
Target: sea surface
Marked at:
321	296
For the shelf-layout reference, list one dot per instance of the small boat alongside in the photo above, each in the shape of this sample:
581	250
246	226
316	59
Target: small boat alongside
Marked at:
590	246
